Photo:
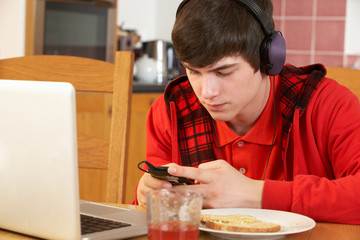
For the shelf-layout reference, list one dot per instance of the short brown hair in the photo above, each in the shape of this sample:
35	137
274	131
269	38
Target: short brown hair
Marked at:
205	31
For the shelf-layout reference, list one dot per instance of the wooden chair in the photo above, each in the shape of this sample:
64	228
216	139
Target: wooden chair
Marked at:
348	77
102	88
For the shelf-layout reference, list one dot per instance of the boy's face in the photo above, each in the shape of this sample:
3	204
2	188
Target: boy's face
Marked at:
230	89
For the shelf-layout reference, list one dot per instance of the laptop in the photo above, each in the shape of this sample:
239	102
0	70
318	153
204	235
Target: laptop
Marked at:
39	169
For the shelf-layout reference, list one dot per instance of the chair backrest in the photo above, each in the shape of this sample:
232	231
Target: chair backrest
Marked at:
348	77
102	157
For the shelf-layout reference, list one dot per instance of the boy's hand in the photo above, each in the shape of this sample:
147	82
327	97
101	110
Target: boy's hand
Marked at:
222	185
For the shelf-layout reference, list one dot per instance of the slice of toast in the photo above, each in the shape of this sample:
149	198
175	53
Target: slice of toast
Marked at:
238	223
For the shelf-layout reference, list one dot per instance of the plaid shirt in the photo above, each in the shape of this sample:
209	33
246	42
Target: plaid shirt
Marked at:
196	127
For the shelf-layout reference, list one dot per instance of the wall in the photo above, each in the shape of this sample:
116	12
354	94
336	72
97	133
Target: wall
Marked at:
315	31
352	33
12	28
153	19
137	15
352	29
165	17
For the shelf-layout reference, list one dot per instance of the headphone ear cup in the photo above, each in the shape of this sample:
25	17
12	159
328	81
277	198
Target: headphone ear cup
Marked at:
265	64
273	54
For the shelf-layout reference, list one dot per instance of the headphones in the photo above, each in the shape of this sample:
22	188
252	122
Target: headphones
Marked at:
273	48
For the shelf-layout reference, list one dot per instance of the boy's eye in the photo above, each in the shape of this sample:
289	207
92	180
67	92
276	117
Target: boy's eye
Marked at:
224	74
192	72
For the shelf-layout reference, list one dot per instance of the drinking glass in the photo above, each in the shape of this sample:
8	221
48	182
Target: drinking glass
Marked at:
173	214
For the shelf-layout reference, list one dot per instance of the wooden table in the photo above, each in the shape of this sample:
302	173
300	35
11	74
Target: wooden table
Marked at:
322	231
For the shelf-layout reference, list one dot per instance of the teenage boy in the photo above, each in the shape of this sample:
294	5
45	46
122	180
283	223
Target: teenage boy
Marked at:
247	133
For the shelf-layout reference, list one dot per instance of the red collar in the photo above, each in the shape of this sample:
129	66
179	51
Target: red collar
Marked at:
263	131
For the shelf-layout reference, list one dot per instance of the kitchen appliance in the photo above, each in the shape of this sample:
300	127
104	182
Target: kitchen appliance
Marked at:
168	66
84	28
145	69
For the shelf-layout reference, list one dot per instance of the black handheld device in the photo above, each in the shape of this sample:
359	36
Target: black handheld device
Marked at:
160	172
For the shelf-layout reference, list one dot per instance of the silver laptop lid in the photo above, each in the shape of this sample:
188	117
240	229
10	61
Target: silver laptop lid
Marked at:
38	159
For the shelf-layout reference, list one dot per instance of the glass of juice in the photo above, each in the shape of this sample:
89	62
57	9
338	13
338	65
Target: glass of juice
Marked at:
173	214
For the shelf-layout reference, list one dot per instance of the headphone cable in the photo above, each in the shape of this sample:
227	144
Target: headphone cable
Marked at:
272	142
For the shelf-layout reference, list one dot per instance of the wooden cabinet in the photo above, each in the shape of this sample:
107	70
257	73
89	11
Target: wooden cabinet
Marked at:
141	103
94	118
93	114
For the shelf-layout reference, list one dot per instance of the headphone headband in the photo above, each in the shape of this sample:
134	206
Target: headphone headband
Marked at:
259	15
182	4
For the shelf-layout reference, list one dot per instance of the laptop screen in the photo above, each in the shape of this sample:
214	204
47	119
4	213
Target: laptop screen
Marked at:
38	159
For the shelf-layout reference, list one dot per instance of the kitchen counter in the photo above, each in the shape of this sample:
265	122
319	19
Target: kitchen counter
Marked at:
140	87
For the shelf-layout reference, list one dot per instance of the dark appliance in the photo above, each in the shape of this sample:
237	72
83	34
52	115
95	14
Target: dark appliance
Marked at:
85	28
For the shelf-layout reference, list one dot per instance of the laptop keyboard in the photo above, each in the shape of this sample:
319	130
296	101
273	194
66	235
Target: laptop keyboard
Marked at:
91	224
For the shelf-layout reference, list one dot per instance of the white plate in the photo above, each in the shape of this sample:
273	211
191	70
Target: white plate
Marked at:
290	223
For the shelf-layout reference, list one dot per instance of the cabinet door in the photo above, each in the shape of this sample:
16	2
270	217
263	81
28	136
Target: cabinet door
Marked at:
140	107
93	119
